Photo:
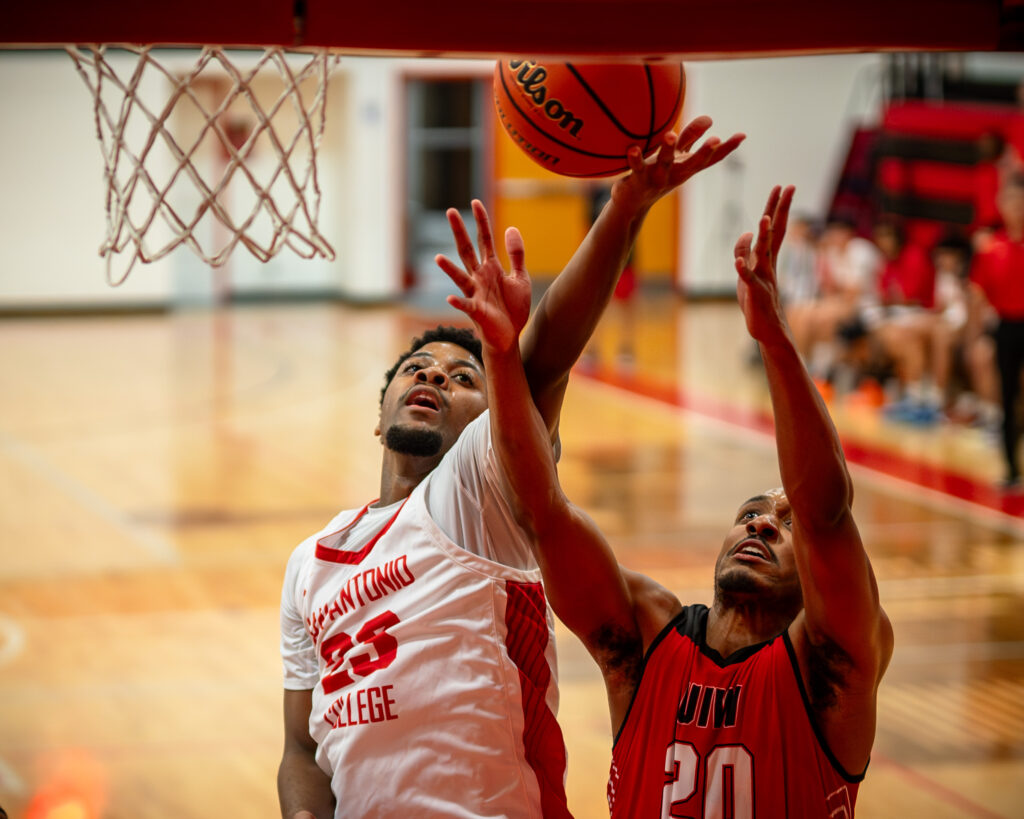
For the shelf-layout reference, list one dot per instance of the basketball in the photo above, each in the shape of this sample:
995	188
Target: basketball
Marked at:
579	119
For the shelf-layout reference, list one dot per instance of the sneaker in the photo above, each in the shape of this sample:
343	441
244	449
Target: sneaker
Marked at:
900	411
906	411
926	415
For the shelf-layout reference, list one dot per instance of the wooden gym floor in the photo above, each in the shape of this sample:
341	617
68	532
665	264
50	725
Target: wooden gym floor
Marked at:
157	470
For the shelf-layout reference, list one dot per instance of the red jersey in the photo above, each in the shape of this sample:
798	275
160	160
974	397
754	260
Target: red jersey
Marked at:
908	279
712	737
999	271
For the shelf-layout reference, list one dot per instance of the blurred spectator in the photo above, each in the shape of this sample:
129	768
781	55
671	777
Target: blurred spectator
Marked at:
907	278
849	268
997	276
798	272
799	277
904	324
963	353
989	172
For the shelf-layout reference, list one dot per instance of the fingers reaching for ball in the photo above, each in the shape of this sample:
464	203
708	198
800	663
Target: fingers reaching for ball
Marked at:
693	131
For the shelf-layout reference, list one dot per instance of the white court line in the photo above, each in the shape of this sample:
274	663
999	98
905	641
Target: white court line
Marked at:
932	498
156	547
10	781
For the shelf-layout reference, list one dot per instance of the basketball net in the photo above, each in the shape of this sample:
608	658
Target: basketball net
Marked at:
262	191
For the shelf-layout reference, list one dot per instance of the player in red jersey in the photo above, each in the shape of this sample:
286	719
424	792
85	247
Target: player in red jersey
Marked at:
765	703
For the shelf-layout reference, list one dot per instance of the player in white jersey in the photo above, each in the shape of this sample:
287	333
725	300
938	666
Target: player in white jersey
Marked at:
407	623
417	643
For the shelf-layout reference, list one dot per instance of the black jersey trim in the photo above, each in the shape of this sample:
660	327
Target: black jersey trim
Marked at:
691	623
851	778
695	628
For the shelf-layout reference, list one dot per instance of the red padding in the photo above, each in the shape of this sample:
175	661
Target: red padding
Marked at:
933	180
961	121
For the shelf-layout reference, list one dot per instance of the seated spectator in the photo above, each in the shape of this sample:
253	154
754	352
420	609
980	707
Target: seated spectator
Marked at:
904	325
963	353
847	284
798	273
927	347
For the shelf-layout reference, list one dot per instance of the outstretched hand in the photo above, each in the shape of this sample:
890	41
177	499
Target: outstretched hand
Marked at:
498	303
757	288
674	163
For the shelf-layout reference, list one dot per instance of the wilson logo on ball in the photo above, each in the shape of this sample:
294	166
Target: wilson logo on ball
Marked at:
530	77
580	119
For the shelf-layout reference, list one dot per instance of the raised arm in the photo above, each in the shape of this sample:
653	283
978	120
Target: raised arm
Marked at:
581	576
843	638
566	316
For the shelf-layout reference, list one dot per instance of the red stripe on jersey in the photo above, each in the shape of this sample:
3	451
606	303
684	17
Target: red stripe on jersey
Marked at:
526	640
332	555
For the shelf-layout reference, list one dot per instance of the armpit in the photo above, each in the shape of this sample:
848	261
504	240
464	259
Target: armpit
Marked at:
828	668
619	653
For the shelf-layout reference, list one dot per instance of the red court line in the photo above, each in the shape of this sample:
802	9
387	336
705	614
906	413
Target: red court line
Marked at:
861	453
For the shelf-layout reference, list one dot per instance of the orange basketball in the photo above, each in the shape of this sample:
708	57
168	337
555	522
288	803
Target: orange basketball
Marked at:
579	119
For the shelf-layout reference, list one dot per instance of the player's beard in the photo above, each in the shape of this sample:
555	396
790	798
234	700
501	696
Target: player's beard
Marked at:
737	582
734	585
422	443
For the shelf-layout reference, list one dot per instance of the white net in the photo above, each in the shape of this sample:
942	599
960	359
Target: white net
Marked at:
223	156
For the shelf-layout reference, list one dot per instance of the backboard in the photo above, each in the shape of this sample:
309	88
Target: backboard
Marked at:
684	29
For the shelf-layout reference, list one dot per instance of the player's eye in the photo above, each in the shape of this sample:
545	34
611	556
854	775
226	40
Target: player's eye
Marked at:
411	367
464	378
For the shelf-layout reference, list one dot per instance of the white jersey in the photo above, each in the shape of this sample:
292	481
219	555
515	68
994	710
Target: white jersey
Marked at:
855	268
432	666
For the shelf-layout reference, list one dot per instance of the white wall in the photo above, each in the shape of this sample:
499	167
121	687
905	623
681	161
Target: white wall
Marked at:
797	113
362	186
51	211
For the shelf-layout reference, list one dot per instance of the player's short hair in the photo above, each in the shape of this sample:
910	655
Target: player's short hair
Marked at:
841	219
894	227
459	336
955	241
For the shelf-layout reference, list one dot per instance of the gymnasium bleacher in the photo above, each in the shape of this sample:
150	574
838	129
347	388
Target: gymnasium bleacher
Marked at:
925	161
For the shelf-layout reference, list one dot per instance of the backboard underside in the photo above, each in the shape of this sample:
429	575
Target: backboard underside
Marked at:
684	29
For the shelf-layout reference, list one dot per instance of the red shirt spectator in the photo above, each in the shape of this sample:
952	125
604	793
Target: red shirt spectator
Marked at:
908	275
999	272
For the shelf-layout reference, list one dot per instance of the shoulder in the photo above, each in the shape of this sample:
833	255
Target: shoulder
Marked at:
653	604
469	451
303	554
463	465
